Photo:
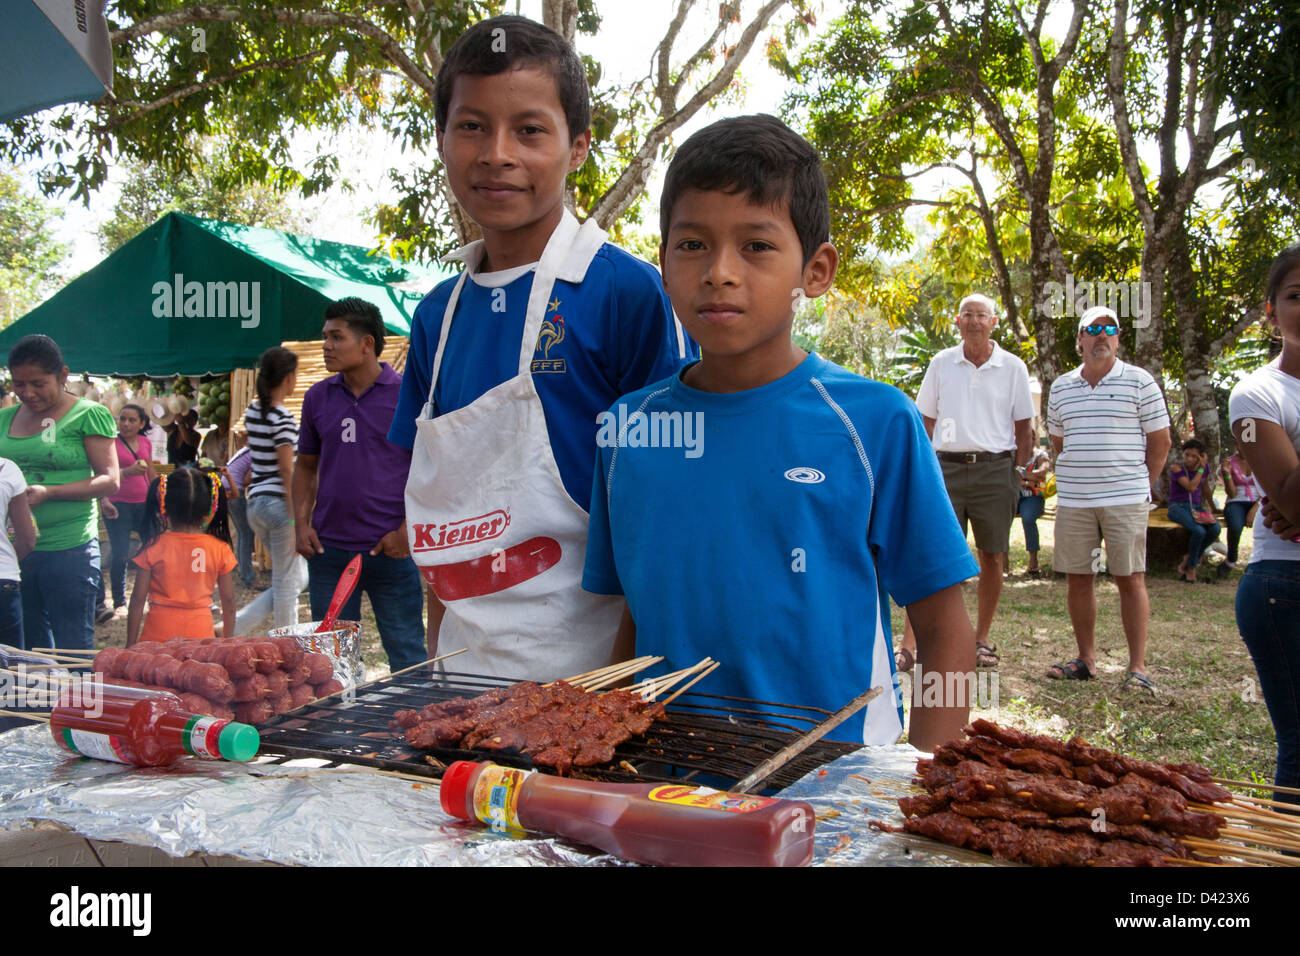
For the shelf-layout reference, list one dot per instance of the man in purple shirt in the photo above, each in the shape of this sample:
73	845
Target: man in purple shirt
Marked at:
349	484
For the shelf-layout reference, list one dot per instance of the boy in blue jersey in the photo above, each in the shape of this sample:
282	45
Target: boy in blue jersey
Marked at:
511	362
804	495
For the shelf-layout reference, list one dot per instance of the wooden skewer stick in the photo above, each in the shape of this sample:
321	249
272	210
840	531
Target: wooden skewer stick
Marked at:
1254	786
1183	861
1294	808
579	679
1259	815
612	676
681	690
18	713
74	651
1220	849
652	687
1255	835
434	660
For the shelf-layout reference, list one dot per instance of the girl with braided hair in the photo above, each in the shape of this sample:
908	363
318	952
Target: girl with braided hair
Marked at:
186	552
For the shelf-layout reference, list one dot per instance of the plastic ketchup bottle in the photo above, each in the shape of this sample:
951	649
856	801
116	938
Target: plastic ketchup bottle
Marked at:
682	825
146	728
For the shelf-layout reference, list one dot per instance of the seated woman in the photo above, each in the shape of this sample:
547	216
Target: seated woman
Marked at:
1187	487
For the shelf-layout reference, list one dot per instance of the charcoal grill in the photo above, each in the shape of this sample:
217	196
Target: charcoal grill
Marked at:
717	739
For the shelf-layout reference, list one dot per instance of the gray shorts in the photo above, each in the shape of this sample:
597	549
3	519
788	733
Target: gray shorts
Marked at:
985	495
1080	531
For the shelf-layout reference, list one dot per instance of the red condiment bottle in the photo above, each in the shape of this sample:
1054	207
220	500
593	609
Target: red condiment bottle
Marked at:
146	728
675	825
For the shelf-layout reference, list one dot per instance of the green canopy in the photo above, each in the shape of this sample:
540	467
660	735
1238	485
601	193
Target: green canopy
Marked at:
189	296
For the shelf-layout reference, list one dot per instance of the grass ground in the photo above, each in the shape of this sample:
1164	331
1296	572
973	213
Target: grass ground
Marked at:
1208	708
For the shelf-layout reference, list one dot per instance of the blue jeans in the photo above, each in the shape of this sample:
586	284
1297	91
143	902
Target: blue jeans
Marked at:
60	591
1234	512
1200	537
396	594
130	517
1030	509
270	521
11	613
243	540
1268	616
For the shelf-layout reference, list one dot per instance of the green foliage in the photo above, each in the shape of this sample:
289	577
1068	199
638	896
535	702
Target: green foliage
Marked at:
29	256
213	189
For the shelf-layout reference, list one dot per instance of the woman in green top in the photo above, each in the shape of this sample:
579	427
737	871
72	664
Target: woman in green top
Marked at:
64	446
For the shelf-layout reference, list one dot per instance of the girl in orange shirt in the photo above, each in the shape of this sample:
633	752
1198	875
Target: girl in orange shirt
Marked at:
186	553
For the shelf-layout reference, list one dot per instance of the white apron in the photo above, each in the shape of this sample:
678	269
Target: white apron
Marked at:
491	526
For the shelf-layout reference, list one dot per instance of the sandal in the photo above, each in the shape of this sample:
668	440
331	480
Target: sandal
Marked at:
904	660
986	656
1076	669
1138	681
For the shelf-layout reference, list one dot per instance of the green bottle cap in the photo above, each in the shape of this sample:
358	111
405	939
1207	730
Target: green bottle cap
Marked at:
238	741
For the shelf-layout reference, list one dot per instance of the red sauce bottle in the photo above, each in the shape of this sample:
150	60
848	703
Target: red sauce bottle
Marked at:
146	728
682	825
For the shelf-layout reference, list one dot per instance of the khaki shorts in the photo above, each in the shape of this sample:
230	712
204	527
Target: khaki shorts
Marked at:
1080	531
985	494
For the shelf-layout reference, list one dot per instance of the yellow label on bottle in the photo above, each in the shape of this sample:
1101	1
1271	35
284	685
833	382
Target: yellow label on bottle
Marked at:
710	799
496	797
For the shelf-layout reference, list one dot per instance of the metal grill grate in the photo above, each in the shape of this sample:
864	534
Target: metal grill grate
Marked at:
723	738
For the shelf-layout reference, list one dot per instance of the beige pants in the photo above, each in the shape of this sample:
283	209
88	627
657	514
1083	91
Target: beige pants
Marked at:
1080	531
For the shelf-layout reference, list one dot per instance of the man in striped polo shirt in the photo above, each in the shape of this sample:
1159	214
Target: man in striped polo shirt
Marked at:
1110	438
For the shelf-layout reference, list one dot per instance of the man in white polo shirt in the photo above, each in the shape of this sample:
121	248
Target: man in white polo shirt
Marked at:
1110	437
978	412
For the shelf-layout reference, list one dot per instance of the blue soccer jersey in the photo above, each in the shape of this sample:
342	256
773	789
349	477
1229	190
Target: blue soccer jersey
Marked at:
602	337
766	528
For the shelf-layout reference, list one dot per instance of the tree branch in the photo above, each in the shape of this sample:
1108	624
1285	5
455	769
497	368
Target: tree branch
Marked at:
193	88
1228	338
663	55
632	181
1115	89
312	19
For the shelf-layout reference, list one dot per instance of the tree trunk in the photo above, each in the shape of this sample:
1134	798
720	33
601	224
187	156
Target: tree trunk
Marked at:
1189	315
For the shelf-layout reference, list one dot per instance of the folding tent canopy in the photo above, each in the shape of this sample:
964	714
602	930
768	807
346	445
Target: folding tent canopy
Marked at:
190	296
56	51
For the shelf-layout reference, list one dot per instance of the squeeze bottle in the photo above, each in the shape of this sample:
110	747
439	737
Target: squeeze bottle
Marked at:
672	824
146	728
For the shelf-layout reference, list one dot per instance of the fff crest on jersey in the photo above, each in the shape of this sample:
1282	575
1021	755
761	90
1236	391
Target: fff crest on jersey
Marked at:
550	335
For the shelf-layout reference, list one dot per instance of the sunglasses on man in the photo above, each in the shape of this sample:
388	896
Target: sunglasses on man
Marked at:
1097	329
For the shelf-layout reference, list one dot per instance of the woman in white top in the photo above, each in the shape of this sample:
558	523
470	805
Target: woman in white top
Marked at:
272	438
1265	413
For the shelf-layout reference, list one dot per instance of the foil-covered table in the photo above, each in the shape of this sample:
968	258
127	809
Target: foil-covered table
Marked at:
300	813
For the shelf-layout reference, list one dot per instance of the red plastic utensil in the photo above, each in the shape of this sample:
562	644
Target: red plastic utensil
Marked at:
342	591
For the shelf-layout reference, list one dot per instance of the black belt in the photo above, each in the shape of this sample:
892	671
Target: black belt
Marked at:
970	457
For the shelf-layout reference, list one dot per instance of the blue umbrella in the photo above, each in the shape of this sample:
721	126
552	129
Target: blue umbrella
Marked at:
56	51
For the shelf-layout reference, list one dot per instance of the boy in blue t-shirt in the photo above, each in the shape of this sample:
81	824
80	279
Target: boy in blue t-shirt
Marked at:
759	505
510	364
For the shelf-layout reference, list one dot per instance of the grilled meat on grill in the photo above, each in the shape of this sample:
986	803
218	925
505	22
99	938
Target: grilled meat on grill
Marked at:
559	725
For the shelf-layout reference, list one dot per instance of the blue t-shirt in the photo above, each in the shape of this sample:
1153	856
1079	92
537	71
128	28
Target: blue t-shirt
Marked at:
770	540
603	337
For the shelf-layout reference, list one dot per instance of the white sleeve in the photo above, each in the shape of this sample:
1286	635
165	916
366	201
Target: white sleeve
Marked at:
1022	404
12	480
927	398
1054	423
1252	398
